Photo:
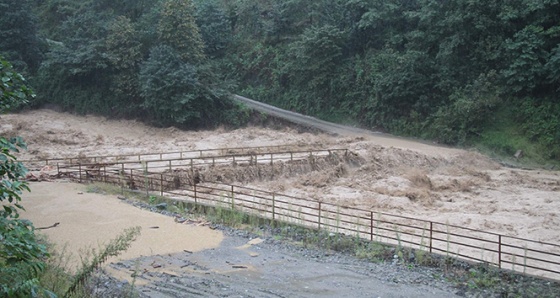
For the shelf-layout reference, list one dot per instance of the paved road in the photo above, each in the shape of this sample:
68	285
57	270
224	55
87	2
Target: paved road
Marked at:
376	137
301	119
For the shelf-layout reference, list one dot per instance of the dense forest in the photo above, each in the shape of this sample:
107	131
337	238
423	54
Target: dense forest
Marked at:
460	72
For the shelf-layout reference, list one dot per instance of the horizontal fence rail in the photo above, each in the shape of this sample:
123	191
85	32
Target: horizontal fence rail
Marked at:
507	252
189	163
150	157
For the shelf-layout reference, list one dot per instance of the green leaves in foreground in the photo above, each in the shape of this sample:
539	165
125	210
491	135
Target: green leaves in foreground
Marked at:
13	92
21	255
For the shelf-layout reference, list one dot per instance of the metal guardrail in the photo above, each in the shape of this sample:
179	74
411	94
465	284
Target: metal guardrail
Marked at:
521	255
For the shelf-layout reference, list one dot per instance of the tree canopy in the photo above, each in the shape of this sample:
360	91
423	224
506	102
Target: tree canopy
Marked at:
427	68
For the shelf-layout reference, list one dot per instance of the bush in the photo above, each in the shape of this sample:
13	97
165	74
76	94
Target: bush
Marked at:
21	255
540	121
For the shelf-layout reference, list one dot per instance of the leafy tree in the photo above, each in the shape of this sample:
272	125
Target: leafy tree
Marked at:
177	28
170	88
318	52
376	24
541	122
123	45
527	57
553	68
53	13
214	26
76	71
13	91
315	57
131	9
19	42
124	52
471	107
21	256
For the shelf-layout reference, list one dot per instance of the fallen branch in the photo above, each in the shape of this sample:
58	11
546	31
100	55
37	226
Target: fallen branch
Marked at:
44	228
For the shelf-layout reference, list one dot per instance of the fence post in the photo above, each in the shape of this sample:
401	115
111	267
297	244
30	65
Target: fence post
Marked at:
80	171
148	184
161	183
105	173
319	217
170	165
500	251
232	200
431	231
195	201
371	226
273	207
58	169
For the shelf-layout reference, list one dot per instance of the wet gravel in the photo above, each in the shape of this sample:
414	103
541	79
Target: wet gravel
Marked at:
264	265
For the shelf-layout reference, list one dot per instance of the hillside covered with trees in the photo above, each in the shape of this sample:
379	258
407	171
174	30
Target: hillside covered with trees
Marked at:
457	72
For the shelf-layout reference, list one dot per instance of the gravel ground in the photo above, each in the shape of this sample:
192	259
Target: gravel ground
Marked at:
246	265
277	269
250	265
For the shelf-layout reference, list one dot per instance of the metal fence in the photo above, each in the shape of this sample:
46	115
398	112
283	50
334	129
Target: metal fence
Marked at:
159	156
513	253
122	167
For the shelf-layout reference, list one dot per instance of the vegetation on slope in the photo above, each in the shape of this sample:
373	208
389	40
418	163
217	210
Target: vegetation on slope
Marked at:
457	72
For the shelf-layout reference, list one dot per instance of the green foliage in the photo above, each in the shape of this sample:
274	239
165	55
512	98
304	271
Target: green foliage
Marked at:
214	26
409	67
466	115
317	53
425	68
124	50
21	255
177	28
13	91
527	56
21	258
19	41
114	248
123	44
76	71
541	122
170	87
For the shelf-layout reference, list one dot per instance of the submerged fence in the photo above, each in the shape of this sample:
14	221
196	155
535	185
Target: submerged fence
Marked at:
181	163
507	252
155	157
